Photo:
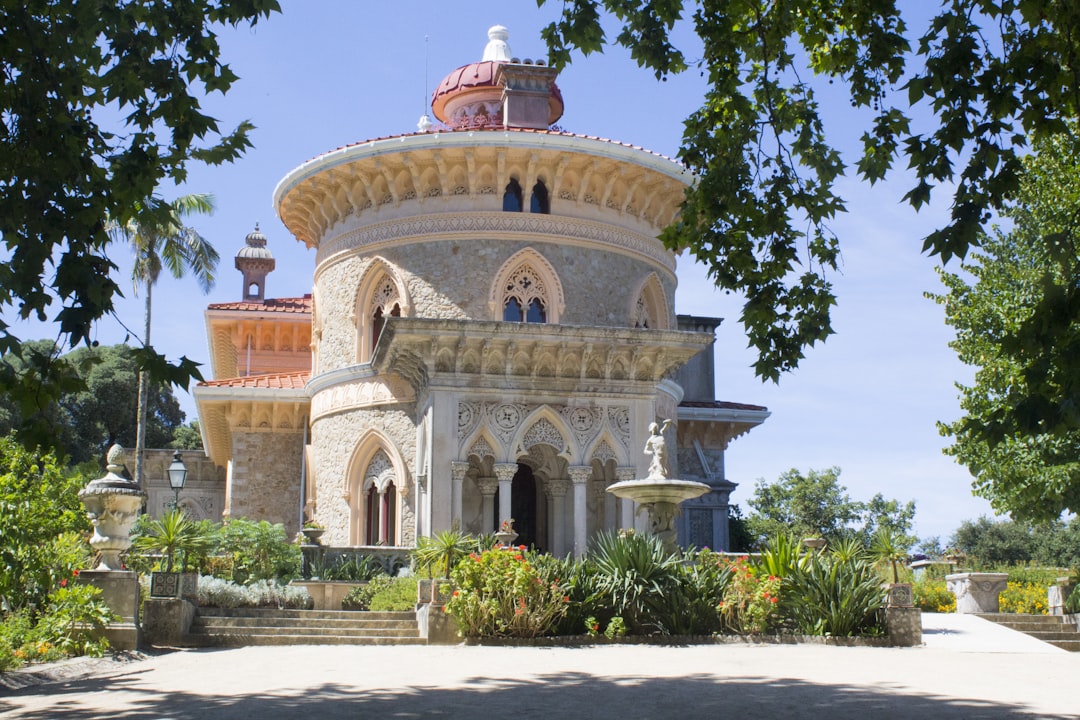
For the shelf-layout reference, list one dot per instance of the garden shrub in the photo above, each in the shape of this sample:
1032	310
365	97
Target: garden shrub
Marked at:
826	596
501	593
261	551
347	568
690	607
932	595
750	602
215	592
398	596
634	576
578	581
1024	597
359	598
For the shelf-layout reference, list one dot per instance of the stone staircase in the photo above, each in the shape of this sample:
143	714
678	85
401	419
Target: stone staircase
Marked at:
1049	628
217	627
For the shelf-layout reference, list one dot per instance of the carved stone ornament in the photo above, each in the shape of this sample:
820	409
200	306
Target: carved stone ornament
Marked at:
112	503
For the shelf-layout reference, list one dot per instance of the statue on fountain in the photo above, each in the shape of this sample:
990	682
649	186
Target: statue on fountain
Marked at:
659	468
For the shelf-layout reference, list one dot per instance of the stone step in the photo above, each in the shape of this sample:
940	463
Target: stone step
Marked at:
246	639
268	629
307	614
1050	629
216	627
204	620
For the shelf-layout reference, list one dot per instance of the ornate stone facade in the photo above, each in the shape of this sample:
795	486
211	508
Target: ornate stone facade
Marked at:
491	327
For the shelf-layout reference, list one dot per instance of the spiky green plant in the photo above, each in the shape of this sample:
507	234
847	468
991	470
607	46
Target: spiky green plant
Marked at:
634	575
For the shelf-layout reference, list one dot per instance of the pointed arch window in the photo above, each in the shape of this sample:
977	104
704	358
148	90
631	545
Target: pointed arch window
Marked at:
539	202
524	296
512	197
649	305
380	298
378	514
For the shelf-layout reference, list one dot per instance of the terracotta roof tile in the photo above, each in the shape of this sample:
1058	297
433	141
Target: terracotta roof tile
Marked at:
288	381
281	305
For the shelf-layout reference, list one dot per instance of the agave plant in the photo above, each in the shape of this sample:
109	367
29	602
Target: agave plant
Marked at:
634	574
828	596
781	556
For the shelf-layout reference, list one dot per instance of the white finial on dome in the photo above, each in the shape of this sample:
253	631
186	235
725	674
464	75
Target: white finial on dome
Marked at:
497	48
425	123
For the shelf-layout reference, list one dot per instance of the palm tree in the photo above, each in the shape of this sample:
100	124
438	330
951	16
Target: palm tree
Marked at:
160	239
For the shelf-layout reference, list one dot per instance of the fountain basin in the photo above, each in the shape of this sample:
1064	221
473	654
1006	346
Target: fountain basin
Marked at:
645	492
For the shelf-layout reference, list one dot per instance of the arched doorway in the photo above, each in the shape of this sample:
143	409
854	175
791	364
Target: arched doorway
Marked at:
524	504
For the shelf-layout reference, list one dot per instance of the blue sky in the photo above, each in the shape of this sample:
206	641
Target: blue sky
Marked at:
328	73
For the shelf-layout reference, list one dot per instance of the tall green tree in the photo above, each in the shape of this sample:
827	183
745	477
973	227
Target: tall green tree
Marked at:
100	103
955	93
1020	432
164	241
816	504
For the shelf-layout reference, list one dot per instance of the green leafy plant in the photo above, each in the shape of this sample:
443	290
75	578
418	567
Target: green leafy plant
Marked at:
500	593
176	537
633	574
615	629
782	555
399	595
689	608
261	551
889	545
348	568
932	595
750	600
75	618
436	555
359	598
825	596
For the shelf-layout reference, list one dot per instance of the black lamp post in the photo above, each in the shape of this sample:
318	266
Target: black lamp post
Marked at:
177	477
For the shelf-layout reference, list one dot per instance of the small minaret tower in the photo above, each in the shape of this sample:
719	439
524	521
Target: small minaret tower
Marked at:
255	261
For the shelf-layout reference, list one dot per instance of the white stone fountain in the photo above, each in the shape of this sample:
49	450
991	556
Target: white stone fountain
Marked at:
658	494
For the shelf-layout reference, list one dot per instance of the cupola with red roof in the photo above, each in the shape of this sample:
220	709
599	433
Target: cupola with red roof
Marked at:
500	91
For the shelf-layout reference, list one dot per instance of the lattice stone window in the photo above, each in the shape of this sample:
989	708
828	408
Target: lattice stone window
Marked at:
524	296
380	502
385	302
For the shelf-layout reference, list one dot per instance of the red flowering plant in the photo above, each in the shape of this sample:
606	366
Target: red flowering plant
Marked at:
751	600
500	593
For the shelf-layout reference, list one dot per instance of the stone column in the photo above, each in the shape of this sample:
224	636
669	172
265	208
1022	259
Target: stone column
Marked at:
457	479
976	592
579	476
488	486
557	488
626	505
384	508
505	473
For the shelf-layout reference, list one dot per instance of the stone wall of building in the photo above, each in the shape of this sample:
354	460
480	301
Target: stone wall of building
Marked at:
335	440
264	480
597	286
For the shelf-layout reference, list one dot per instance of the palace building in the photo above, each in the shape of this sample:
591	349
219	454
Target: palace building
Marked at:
489	334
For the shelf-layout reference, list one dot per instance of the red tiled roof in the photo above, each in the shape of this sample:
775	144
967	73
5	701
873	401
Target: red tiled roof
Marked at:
720	404
288	381
281	305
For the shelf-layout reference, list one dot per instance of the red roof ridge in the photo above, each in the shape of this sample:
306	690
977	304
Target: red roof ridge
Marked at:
296	379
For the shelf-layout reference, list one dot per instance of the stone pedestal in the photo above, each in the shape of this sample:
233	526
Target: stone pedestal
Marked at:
120	591
904	626
438	626
976	592
1056	595
167	620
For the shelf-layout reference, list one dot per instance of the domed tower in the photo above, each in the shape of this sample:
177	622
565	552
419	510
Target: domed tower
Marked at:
255	262
492	322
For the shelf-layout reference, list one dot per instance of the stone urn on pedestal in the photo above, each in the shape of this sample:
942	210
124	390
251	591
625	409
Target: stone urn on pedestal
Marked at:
113	503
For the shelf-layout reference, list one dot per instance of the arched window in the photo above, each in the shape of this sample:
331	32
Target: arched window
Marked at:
526	288
523	296
381	295
649	305
539	202
512	198
380	497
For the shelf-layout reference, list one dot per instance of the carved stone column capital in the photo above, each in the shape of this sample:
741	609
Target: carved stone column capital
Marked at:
625	473
505	471
580	474
458	469
488	485
557	487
